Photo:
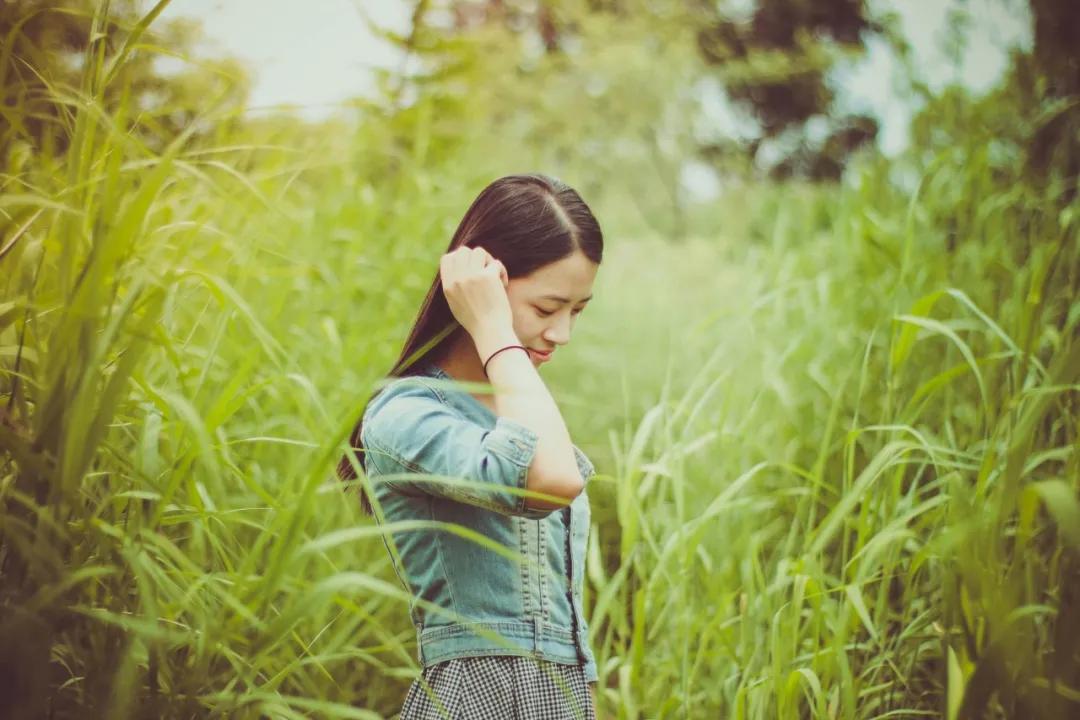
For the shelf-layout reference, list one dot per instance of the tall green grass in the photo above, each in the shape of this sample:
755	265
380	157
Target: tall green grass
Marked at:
861	501
836	431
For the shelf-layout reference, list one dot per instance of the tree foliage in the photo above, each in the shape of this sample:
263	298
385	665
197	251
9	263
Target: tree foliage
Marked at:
775	64
48	44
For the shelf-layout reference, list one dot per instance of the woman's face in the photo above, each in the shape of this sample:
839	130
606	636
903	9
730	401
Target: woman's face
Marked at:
546	303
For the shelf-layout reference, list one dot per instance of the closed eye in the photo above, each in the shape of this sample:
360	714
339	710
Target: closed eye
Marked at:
545	313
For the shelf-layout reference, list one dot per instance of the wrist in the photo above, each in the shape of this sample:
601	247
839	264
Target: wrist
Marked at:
494	362
489	340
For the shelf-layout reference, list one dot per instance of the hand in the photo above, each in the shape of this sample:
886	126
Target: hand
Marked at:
475	285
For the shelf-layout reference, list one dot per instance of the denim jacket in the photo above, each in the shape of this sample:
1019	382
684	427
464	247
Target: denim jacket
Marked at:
516	588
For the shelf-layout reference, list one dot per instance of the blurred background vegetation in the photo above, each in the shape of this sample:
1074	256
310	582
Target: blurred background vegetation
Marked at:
834	405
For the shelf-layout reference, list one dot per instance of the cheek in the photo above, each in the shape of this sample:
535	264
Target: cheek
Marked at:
521	315
524	319
529	327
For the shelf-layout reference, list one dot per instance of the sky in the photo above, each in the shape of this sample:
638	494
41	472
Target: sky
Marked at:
314	54
318	53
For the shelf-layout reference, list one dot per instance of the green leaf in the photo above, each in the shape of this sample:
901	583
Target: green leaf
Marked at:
1060	501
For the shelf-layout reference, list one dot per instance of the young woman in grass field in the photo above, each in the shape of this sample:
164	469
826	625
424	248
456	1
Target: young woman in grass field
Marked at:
496	564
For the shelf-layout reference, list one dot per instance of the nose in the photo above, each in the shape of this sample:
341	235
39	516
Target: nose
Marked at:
559	332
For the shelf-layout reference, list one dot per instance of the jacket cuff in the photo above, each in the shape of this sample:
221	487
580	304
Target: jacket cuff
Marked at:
513	441
585	466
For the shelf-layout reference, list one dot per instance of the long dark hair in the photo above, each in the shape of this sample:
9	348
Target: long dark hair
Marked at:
525	222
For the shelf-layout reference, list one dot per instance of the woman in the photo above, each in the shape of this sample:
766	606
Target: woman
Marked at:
497	597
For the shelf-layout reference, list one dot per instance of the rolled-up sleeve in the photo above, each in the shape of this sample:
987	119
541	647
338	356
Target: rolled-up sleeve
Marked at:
424	445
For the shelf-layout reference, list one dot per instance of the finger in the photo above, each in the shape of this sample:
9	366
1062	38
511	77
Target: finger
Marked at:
462	255
456	268
450	259
498	270
457	261
488	257
485	257
448	267
477	259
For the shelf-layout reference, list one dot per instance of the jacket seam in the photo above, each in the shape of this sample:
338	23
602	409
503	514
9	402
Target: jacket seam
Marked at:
517	508
438	393
442	556
541	551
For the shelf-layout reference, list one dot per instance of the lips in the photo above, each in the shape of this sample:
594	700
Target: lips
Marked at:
542	353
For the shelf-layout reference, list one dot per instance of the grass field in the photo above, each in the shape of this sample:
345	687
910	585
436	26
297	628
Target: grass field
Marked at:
835	430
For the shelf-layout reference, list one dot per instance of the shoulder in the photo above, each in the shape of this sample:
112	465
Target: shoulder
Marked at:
397	403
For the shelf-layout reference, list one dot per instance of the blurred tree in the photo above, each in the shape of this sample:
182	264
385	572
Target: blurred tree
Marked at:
774	63
1051	73
771	63
46	45
585	94
1029	124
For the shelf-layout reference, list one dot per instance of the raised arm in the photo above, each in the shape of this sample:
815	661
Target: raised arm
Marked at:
475	288
522	396
419	444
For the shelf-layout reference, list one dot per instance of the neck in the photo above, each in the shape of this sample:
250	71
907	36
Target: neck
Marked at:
460	360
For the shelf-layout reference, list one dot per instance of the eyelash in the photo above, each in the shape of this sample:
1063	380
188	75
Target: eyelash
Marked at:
543	313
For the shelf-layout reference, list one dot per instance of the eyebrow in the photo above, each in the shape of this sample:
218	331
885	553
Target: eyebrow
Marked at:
559	298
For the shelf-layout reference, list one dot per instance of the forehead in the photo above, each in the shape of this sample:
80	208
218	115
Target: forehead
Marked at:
570	277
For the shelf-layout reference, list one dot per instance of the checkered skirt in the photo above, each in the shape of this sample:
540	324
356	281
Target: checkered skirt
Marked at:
499	687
